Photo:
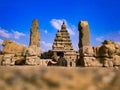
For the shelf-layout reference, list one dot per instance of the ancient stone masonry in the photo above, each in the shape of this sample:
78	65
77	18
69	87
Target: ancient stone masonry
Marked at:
10	51
106	55
35	34
33	51
62	44
85	50
16	54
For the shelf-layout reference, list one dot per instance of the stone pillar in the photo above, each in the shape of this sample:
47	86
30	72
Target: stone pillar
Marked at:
33	52
85	50
35	34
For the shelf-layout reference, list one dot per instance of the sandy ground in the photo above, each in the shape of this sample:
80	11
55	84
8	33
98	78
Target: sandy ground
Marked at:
58	78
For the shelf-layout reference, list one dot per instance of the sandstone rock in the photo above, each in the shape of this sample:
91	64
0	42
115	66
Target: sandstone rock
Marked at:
108	62
107	49
1	58
10	47
32	50
35	34
87	51
88	61
32	60
84	34
19	60
7	59
96	51
116	60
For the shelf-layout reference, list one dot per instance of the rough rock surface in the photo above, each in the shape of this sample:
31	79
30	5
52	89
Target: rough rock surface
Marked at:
33	60
84	34
10	47
32	50
87	51
7	59
58	78
107	49
35	33
32	54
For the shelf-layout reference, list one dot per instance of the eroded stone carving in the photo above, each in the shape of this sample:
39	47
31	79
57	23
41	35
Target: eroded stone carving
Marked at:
35	34
10	47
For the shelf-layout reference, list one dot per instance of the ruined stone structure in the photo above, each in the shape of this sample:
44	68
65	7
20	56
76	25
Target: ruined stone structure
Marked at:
85	50
106	55
33	51
10	47
15	54
62	44
35	34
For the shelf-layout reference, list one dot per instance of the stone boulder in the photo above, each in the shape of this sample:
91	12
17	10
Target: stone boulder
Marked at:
32	51
116	61
107	49
87	51
10	47
7	59
32	60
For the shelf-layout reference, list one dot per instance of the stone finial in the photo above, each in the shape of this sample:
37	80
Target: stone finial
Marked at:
63	25
84	34
35	34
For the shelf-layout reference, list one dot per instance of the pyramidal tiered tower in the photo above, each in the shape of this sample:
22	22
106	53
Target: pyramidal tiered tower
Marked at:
63	44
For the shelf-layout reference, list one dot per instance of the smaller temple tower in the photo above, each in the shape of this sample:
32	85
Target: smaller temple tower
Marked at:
63	44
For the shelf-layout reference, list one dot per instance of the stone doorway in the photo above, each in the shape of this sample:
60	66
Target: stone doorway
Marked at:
60	53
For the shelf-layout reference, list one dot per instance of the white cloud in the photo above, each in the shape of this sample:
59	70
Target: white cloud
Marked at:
100	39
11	34
4	33
45	31
56	23
1	41
46	46
17	34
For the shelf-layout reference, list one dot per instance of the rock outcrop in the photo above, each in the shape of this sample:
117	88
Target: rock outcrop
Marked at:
10	47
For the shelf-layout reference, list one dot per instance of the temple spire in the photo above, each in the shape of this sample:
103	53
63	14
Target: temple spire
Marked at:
63	25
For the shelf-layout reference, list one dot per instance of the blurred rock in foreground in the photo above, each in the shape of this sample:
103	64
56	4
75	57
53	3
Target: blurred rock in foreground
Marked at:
58	78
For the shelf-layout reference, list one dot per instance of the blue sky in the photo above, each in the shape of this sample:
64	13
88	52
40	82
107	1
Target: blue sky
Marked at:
16	16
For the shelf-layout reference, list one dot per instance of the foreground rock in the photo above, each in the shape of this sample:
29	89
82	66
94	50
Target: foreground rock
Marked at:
58	78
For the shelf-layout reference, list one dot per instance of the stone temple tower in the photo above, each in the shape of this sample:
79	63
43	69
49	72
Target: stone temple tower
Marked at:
63	44
35	34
